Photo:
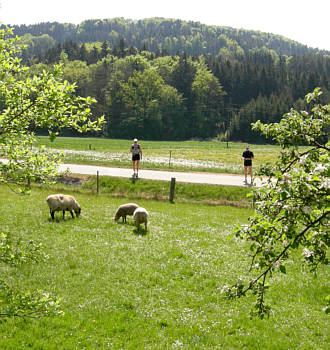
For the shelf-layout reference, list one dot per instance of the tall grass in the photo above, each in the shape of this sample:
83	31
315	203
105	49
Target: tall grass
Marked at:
158	289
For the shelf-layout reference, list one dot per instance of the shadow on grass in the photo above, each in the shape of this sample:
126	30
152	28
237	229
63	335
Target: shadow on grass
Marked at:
141	232
126	223
60	219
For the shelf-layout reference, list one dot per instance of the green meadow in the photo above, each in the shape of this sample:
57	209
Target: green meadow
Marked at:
213	156
157	190
154	289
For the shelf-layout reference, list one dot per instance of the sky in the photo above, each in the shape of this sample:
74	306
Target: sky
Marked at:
305	21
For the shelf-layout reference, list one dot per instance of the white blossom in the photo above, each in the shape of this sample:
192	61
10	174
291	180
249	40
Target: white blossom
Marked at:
307	253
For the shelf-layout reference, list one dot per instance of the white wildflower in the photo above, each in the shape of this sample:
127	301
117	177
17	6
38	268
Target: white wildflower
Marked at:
177	344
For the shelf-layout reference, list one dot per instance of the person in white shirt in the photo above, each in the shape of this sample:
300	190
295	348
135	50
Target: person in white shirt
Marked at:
136	151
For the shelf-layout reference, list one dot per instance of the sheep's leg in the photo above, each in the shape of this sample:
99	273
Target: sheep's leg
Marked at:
124	218
52	214
145	226
63	214
71	212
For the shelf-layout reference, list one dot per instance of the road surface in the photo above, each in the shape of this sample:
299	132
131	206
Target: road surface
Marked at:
192	177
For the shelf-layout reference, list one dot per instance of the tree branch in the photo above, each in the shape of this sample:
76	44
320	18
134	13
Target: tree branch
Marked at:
301	234
3	130
297	158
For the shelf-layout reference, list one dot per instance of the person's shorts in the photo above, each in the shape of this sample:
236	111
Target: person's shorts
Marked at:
247	162
135	157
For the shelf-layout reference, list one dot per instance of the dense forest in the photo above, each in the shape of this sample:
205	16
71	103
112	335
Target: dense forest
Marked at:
171	79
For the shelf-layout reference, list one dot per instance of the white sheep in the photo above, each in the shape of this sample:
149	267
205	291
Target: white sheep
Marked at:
124	210
140	216
63	202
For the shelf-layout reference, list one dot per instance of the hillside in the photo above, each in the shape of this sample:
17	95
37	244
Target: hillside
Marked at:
162	79
170	35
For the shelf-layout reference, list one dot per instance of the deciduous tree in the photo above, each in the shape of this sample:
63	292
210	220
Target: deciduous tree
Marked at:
27	104
292	208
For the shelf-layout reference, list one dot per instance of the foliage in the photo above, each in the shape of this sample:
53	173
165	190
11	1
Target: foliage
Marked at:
28	104
262	75
208	98
14	253
292	209
167	35
14	303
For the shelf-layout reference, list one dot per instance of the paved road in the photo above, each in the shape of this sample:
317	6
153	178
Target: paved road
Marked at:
192	177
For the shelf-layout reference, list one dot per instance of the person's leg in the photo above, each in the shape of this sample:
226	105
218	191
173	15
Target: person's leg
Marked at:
245	172
137	168
251	173
133	166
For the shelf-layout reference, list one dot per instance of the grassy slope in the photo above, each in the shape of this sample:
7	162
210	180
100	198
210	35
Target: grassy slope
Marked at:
160	290
229	159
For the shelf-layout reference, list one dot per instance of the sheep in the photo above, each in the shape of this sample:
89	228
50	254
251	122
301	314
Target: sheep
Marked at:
63	202
124	210
141	216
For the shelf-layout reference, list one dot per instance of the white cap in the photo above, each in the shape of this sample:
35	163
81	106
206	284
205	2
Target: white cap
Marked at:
135	140
247	146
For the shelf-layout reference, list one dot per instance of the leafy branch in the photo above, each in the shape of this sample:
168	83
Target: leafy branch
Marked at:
44	101
291	210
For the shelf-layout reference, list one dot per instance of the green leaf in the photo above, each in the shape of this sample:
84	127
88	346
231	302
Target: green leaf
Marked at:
282	269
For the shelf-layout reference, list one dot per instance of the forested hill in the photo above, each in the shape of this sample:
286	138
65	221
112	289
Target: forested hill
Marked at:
168	35
171	79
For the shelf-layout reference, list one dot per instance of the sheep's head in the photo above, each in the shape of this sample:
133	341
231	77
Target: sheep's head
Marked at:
77	211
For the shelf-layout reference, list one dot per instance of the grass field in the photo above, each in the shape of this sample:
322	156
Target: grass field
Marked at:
159	289
158	190
185	155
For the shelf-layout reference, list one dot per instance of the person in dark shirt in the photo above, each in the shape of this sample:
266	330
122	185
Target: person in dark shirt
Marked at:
247	156
136	151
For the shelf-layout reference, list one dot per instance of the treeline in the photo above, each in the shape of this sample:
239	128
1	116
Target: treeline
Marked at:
152	98
157	95
167	35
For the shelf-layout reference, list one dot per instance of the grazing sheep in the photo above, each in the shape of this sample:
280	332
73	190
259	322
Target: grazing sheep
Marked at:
141	216
124	210
63	202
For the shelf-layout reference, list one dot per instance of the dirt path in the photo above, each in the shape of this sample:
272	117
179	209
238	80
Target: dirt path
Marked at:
192	177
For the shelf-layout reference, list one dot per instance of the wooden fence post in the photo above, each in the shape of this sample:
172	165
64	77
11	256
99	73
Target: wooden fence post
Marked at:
172	189
97	182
